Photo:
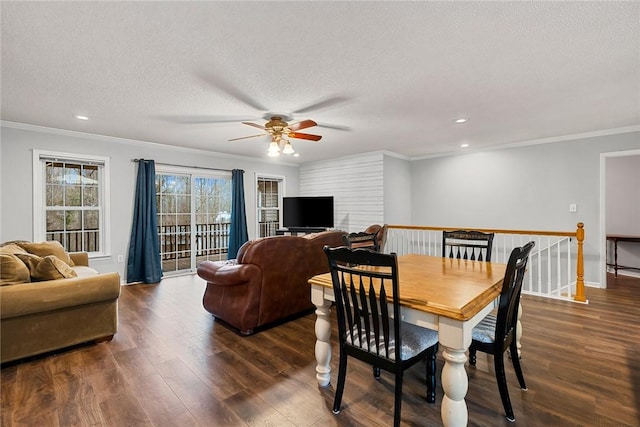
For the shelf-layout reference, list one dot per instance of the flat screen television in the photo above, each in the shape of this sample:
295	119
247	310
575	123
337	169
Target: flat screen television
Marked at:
307	212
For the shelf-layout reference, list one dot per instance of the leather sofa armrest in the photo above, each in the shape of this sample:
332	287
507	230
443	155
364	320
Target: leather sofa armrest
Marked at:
80	258
222	273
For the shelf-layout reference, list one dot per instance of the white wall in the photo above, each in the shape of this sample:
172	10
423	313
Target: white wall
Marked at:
623	207
16	194
397	190
355	182
527	187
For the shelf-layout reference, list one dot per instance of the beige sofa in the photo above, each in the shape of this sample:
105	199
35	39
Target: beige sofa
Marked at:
50	299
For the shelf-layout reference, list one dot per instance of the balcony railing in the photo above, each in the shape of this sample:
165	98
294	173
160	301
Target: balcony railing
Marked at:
211	242
210	239
76	241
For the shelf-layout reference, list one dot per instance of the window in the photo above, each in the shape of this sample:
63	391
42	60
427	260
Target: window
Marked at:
269	202
194	215
69	201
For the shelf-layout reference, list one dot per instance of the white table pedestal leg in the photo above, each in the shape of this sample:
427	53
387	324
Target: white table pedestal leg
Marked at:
323	343
455	384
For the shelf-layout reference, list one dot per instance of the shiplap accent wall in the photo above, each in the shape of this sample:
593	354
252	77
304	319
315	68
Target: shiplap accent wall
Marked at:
357	185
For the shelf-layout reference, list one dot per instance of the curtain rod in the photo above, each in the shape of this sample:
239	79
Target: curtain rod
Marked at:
183	166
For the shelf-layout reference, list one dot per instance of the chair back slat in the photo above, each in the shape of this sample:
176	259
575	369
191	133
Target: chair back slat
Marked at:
364	314
375	315
467	244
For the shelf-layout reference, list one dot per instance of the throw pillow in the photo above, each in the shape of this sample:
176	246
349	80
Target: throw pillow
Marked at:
51	268
30	260
12	270
47	248
12	247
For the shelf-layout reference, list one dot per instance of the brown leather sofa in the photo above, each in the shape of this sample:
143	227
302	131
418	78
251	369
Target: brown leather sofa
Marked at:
267	283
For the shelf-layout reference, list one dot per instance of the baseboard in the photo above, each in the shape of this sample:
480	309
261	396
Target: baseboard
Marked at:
627	273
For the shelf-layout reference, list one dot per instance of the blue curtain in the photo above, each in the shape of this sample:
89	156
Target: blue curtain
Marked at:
238	229
143	264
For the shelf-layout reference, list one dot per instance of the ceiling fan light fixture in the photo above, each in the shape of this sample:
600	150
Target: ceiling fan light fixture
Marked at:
274	149
288	149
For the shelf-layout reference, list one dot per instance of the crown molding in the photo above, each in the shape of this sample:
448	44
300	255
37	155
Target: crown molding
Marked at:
549	140
118	140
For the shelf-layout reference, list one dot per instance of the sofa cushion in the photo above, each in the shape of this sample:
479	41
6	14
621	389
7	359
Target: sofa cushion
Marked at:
31	261
48	268
43	249
13	245
12	270
84	271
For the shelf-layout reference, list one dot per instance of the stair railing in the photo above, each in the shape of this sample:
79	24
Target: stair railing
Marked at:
551	272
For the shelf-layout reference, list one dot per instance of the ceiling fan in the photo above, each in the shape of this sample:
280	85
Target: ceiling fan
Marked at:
280	132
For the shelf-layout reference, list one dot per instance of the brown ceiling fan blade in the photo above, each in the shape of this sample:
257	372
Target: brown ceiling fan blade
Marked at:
302	125
246	137
254	125
305	136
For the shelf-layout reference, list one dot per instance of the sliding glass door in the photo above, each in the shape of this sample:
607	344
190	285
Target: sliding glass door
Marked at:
193	217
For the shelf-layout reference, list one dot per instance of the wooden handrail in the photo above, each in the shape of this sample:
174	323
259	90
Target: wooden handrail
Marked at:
488	230
578	235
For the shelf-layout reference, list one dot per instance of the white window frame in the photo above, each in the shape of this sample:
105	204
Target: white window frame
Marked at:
39	194
281	195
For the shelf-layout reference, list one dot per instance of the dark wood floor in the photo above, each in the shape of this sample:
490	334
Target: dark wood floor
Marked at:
171	364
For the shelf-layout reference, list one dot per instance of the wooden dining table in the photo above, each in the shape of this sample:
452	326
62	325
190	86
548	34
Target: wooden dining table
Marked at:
448	295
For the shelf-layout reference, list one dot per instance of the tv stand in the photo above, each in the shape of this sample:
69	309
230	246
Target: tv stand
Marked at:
294	231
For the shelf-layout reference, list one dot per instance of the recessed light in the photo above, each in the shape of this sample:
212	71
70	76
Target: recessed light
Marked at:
464	145
462	120
296	154
79	117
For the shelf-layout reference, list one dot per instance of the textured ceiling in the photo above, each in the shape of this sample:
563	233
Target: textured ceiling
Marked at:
375	75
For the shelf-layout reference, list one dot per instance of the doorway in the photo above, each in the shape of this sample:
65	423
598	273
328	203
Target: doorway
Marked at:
619	207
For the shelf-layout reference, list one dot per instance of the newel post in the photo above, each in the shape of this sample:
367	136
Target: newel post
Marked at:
579	296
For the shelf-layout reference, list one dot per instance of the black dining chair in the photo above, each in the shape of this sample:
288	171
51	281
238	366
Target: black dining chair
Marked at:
496	334
365	285
467	244
362	240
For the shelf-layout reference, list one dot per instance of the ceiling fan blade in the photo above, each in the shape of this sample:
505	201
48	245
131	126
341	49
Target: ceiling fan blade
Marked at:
254	125
302	125
195	120
247	137
305	136
332	126
323	103
230	89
